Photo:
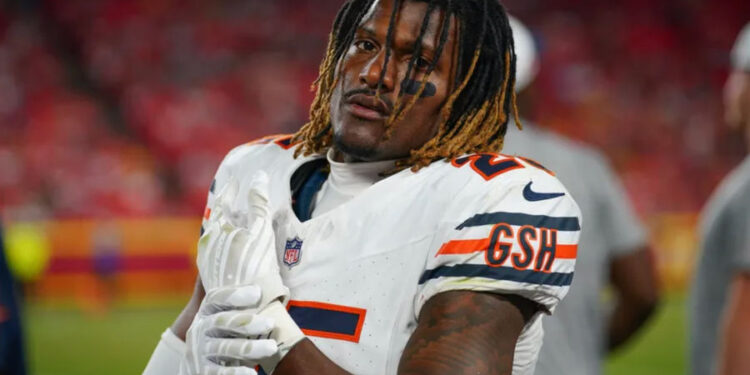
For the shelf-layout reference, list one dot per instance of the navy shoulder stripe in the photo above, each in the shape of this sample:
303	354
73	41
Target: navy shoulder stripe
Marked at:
498	273
569	223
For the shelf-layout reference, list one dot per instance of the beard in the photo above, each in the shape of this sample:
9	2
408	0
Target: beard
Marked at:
356	150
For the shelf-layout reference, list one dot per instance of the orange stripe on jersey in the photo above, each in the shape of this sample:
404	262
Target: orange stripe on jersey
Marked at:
282	140
566	251
285	142
268	139
207	213
463	246
330	335
536	164
457	247
328	320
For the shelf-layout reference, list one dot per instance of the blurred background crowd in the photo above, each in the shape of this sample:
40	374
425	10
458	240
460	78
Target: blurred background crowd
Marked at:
114	115
124	108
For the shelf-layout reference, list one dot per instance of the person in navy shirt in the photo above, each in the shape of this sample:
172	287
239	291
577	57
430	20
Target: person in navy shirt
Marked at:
11	343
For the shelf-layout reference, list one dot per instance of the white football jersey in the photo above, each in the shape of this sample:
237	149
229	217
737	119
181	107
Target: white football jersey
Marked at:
360	273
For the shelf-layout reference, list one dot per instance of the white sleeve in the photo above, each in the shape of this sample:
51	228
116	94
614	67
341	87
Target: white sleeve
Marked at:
220	179
499	241
167	355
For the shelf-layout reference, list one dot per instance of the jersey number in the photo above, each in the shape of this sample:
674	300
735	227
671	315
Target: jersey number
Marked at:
486	165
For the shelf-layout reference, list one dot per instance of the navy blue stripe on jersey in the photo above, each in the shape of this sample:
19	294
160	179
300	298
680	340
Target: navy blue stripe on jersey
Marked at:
499	273
540	221
328	321
303	206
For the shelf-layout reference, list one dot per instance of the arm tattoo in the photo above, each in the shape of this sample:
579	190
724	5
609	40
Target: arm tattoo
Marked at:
466	332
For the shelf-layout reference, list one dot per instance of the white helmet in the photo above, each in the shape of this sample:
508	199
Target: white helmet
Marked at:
526	59
741	50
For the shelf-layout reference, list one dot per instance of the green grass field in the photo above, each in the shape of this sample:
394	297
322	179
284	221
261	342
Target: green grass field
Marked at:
660	349
67	342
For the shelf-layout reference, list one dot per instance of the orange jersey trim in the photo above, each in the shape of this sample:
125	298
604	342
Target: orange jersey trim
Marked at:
281	140
331	307
566	251
268	139
536	164
457	247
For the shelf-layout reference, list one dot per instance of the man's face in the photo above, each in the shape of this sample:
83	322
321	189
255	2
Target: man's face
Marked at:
357	118
737	102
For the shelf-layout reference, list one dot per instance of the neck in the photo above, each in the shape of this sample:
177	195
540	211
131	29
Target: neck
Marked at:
356	174
340	157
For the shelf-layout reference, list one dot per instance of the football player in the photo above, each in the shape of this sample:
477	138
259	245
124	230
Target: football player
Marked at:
613	250
720	323
403	242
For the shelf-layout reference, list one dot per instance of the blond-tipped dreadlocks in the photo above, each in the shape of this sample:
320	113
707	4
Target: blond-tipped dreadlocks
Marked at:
474	118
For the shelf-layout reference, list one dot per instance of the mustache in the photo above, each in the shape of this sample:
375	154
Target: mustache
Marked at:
369	92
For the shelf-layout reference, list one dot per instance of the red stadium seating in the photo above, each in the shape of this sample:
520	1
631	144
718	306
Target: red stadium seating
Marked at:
117	108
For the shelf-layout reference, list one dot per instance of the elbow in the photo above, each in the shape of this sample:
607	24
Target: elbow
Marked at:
647	309
641	302
646	304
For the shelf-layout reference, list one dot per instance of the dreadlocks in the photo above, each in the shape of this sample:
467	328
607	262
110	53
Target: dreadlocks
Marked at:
474	117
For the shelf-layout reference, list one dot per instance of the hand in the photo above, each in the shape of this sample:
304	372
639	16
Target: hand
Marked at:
236	250
226	335
238	246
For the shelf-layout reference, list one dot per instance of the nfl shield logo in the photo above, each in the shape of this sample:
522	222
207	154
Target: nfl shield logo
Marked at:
292	251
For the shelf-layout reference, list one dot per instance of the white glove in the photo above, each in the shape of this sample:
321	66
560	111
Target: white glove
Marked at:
238	246
236	250
224	342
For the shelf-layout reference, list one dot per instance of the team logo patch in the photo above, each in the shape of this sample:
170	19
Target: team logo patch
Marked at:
292	251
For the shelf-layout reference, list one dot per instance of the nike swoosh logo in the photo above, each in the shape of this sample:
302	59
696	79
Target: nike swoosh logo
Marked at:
533	196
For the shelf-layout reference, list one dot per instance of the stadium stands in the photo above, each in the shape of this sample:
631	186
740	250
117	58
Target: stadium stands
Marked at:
125	108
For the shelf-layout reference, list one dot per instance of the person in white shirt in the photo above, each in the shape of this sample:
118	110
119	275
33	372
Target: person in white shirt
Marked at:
720	298
389	235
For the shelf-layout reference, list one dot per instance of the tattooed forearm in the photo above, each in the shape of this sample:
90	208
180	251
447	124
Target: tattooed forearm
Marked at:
306	358
466	333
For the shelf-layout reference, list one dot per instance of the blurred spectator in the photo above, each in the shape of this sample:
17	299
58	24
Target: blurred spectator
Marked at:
12	359
155	92
720	326
106	248
613	248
